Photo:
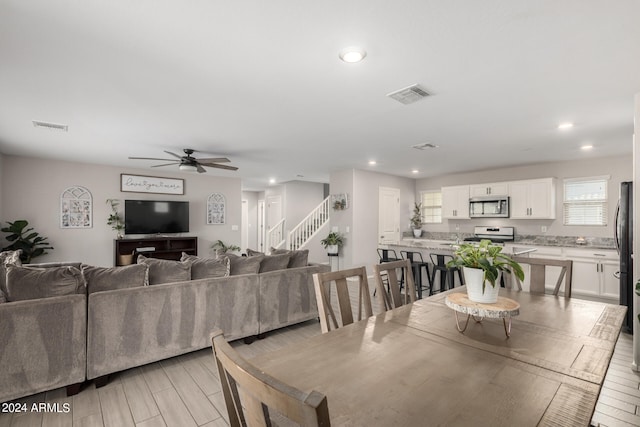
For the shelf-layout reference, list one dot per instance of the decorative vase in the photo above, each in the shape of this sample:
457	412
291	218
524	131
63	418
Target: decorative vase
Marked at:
417	232
332	249
473	278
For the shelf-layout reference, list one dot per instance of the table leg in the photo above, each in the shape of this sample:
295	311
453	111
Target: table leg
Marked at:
458	323
507	329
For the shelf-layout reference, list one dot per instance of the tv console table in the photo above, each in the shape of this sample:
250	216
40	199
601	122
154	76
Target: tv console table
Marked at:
126	250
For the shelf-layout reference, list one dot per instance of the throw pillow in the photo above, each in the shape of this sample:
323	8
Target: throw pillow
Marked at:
251	252
106	279
298	258
274	262
7	258
204	268
25	283
244	264
166	271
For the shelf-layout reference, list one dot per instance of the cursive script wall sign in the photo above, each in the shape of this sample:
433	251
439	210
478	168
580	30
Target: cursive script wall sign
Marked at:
151	184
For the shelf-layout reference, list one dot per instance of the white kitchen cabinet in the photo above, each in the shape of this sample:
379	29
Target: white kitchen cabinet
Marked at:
495	189
455	202
593	273
533	199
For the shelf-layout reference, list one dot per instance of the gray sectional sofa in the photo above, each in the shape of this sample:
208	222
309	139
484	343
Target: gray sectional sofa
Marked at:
64	340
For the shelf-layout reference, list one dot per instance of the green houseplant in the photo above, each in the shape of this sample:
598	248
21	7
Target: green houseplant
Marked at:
416	219
115	220
332	242
482	263
221	247
23	238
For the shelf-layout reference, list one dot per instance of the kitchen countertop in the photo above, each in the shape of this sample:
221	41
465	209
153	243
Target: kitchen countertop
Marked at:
448	245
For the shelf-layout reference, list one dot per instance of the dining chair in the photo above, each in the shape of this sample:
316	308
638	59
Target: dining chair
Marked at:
537	274
322	282
250	394
387	273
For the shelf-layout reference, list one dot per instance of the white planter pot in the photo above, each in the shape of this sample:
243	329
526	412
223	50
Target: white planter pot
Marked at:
473	278
332	249
417	232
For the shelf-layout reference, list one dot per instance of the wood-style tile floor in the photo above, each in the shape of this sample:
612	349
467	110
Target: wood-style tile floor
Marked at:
184	391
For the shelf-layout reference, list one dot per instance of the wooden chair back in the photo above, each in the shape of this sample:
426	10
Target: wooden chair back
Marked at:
388	272
538	273
322	283
249	393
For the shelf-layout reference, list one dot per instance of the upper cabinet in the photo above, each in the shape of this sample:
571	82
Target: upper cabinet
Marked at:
533	199
495	189
455	202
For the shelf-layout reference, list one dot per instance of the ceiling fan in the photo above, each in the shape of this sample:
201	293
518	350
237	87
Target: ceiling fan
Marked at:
190	163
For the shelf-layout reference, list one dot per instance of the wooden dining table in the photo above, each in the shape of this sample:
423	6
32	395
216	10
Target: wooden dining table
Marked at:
411	367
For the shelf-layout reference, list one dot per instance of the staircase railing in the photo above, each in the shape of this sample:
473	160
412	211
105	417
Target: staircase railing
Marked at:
309	226
276	235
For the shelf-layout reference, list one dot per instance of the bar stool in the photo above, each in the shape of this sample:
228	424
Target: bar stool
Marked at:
440	264
389	255
417	263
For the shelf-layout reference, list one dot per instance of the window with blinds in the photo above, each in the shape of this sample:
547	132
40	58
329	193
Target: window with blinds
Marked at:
585	201
431	207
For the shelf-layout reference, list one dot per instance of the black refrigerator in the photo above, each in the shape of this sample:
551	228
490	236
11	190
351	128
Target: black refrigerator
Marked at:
624	244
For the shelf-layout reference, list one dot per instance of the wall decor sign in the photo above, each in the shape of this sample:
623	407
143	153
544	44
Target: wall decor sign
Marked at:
216	209
76	208
340	202
151	184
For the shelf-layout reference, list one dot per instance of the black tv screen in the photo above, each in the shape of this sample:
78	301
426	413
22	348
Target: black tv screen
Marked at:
155	217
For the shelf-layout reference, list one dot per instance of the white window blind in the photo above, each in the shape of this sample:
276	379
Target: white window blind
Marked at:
585	201
431	207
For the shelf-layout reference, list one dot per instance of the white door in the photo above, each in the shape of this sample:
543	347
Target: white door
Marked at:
261	225
388	215
274	215
244	234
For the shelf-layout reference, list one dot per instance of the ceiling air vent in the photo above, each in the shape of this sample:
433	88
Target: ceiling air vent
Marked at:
50	126
409	95
425	146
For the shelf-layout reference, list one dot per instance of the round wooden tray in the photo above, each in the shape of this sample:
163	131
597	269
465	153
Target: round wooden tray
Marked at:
504	309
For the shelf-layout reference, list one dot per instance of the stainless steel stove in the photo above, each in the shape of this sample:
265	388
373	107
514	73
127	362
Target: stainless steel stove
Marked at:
495	234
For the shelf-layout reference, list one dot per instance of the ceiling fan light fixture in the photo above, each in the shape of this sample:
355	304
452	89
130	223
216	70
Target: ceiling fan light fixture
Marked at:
188	168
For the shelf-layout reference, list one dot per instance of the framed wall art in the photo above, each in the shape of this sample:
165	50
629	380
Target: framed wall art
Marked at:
216	209
76	208
151	184
340	202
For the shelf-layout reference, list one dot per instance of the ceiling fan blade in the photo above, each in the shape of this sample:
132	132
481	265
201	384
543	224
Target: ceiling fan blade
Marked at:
173	154
215	160
214	165
200	169
165	164
149	158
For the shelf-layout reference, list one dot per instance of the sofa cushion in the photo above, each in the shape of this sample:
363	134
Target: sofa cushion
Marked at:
25	283
251	252
166	271
244	264
204	268
298	258
7	258
110	278
274	262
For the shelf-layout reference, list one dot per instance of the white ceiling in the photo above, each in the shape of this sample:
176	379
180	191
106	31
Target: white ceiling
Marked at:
261	82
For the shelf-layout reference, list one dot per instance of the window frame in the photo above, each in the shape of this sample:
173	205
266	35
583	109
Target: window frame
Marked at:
438	220
602	203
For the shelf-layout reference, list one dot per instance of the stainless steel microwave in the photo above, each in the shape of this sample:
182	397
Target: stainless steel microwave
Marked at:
489	207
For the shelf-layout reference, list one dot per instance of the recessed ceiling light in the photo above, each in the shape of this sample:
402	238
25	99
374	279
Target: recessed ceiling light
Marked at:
415	171
352	54
586	147
373	162
272	181
565	126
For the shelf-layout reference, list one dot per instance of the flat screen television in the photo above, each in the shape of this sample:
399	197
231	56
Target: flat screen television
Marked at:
155	217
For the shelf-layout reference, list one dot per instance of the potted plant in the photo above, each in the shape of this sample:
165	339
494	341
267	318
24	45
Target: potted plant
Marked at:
482	263
115	220
416	220
333	242
221	247
29	241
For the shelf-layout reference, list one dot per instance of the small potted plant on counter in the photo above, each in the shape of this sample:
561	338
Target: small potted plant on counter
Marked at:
482	263
333	242
416	220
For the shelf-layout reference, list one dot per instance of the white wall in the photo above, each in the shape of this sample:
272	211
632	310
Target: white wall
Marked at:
619	168
252	230
362	216
31	190
636	231
1	186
